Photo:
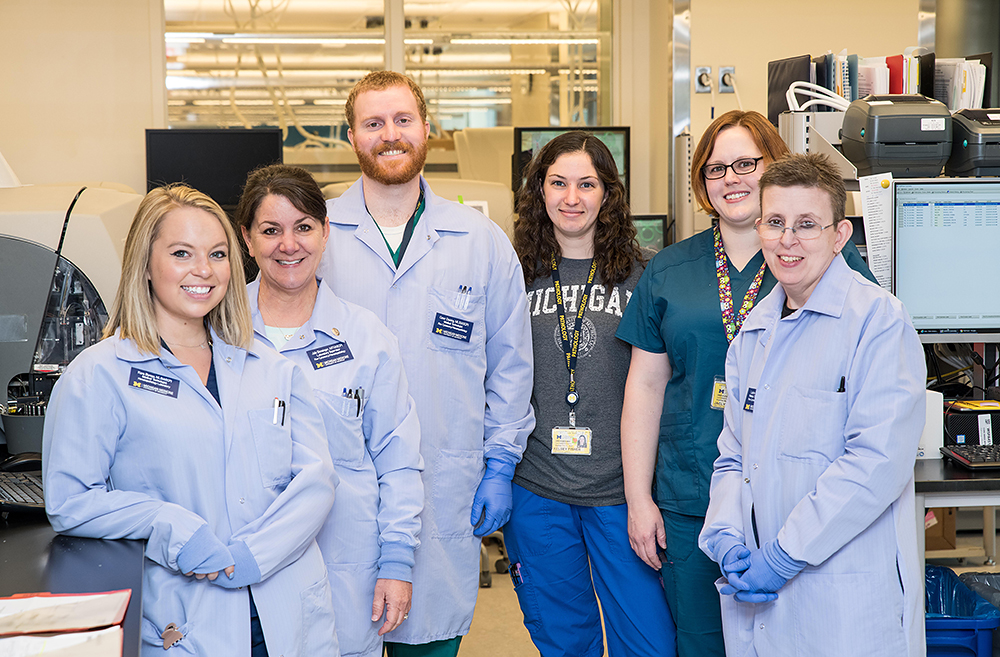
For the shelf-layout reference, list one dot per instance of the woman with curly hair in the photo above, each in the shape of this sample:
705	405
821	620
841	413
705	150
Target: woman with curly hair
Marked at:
567	537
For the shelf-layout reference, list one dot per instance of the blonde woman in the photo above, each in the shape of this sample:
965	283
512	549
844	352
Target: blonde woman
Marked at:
178	429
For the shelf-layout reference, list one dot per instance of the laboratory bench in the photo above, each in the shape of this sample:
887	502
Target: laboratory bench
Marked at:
34	558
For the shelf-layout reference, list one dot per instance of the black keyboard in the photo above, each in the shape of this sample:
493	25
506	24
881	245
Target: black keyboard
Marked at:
21	491
974	456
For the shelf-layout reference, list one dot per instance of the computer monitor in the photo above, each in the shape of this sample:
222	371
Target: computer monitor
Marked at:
528	141
212	161
946	256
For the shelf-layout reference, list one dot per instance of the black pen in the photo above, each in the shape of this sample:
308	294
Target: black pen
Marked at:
843	380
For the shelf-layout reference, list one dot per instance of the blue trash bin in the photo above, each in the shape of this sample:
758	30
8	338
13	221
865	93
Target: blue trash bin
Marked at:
960	623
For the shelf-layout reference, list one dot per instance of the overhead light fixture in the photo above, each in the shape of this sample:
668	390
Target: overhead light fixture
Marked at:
468	102
247	103
187	37
524	42
301	41
286	39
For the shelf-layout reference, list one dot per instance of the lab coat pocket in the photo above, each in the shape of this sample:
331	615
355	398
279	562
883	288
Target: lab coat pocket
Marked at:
455	322
868	612
737	620
354	584
812	425
273	442
457	473
317	618
343	429
153	636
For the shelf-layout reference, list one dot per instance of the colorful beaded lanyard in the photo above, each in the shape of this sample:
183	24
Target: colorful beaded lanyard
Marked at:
730	320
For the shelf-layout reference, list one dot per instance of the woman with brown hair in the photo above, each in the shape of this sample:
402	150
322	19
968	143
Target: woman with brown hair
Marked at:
687	308
566	537
352	362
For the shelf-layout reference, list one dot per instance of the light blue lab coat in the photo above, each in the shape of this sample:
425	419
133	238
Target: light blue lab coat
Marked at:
472	390
372	531
827	473
157	463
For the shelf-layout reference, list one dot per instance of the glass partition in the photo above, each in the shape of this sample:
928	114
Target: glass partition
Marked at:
291	63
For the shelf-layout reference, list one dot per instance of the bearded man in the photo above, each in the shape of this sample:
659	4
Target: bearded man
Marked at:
447	283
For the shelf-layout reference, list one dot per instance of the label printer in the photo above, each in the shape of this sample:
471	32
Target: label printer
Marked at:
908	135
975	146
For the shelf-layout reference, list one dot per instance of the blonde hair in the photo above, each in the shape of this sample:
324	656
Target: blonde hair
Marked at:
133	310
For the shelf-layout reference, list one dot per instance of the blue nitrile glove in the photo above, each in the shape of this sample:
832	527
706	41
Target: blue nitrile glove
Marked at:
735	561
770	568
491	505
747	596
247	571
203	553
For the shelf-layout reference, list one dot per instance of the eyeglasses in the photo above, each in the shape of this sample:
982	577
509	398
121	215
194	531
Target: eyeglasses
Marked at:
740	168
773	229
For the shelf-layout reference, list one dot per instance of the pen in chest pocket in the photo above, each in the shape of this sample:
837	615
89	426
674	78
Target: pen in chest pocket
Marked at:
279	408
462	297
353	401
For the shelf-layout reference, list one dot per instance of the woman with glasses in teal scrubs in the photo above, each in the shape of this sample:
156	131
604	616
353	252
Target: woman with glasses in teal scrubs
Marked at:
686	309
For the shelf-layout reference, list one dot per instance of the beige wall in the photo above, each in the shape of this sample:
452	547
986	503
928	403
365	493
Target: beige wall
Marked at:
81	82
742	34
640	88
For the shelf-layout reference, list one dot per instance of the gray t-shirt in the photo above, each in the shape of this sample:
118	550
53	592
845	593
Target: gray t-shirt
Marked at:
601	369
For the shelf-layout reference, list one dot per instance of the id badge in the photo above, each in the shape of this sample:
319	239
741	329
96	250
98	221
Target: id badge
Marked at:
719	393
571	440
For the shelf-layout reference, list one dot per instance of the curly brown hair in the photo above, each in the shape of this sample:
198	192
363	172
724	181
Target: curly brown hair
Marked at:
616	248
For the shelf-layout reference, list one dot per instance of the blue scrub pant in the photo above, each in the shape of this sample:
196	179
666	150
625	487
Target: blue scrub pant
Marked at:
689	580
257	646
560	554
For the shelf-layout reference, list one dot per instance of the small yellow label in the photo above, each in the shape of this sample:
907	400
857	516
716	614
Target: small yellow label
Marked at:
719	393
571	440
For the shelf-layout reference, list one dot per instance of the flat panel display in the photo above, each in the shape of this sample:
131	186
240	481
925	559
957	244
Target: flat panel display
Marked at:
212	161
946	256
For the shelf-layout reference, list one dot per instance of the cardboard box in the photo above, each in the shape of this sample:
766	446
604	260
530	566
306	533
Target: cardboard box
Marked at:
941	535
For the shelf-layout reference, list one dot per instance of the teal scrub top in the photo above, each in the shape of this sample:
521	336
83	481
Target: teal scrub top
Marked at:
675	310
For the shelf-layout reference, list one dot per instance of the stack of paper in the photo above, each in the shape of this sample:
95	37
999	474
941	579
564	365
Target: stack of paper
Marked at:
959	83
47	624
873	77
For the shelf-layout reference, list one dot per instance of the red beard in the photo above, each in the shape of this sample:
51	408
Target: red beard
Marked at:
394	173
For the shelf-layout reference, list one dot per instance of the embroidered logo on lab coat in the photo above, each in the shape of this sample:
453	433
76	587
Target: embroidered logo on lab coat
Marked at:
333	354
161	385
452	327
748	404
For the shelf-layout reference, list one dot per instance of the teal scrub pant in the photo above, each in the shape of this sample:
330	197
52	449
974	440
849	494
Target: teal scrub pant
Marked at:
563	558
689	580
444	648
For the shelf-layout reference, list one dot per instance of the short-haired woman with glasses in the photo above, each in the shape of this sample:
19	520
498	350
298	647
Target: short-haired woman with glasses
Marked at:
686	309
811	516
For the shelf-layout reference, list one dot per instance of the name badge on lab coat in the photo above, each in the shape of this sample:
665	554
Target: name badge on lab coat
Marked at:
333	354
152	382
751	395
452	327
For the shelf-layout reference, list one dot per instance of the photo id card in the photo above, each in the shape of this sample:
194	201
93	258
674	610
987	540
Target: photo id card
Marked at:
719	393
571	440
